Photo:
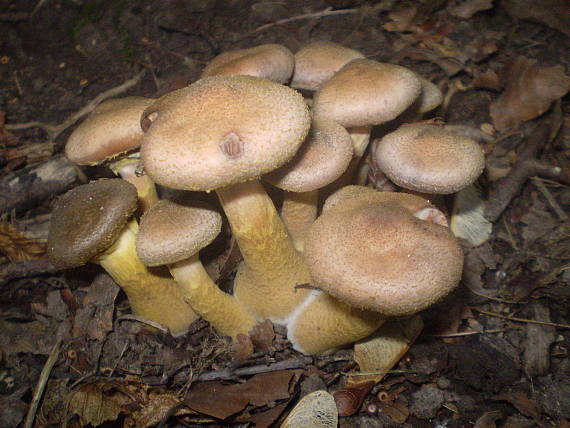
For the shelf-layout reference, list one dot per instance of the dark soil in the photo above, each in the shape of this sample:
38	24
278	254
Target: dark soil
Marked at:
61	56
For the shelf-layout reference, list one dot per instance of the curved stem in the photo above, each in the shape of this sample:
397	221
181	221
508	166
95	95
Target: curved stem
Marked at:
298	212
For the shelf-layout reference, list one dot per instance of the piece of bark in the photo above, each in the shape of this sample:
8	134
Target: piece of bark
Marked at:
539	338
31	186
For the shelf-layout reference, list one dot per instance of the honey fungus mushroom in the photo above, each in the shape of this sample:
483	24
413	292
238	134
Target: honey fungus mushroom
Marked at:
373	255
93	223
222	133
172	234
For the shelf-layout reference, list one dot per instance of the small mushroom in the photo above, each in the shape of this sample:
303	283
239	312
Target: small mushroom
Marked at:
93	223
429	159
270	61
317	62
112	129
322	158
173	234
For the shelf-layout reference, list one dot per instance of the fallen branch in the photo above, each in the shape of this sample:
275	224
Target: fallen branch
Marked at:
29	187
25	269
54	131
327	12
526	166
227	374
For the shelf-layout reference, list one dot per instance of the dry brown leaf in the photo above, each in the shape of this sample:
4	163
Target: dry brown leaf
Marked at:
521	402
530	90
221	400
262	335
466	9
554	13
397	411
31	337
487	80
16	246
401	19
242	347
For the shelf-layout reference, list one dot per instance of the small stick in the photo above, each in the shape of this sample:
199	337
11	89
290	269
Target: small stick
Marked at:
507	317
54	131
143	320
228	374
550	199
468	333
40	386
326	12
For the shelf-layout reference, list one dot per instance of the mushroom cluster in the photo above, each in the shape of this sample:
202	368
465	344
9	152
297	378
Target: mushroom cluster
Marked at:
332	278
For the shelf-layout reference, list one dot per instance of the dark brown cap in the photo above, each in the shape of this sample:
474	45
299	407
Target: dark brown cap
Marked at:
88	219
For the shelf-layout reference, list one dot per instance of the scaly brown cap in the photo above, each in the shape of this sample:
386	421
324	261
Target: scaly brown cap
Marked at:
270	61
171	232
322	158
366	92
318	62
222	130
113	128
429	159
88	219
379	256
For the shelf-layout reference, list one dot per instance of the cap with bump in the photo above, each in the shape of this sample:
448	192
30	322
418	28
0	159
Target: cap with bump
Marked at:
222	130
171	232
270	61
322	158
88	219
317	62
111	129
428	158
366	92
379	256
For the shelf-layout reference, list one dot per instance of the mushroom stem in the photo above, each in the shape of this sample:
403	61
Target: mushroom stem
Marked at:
266	283
128	170
151	296
298	212
323	323
221	310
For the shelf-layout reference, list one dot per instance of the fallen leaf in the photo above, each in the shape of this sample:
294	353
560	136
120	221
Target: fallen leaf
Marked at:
468	8
262	336
488	420
98	402
31	337
398	411
16	246
222	400
554	13
530	90
242	347
521	402
401	20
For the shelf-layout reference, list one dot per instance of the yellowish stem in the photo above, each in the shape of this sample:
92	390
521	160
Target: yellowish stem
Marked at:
272	268
154	297
298	212
146	189
221	310
323	323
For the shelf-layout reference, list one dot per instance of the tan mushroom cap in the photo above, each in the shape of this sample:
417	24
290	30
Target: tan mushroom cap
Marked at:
170	232
270	61
322	158
366	92
317	62
427	158
222	130
379	256
111	129
430	98
88	219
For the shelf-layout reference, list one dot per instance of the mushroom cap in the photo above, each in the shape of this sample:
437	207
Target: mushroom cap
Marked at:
430	98
366	92
222	130
111	129
171	232
379	256
270	61
427	158
88	219
317	62
322	158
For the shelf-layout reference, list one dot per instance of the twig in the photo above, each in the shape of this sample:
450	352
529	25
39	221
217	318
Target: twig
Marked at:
550	199
40	386
143	320
326	12
54	131
24	269
507	317
469	333
495	299
228	374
